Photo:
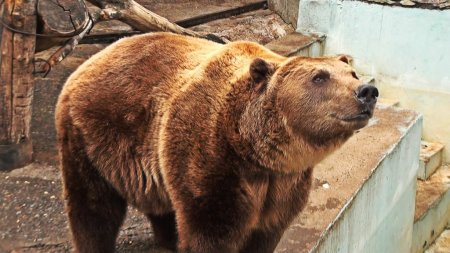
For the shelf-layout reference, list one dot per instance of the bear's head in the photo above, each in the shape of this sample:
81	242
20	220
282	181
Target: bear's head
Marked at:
319	98
318	103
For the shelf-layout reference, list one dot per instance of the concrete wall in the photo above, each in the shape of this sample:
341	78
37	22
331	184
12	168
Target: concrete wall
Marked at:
287	9
379	218
407	50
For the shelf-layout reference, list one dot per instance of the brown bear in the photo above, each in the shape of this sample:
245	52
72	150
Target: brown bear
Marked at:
214	143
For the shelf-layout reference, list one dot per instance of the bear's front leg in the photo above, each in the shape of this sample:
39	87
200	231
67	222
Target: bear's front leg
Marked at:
284	207
218	222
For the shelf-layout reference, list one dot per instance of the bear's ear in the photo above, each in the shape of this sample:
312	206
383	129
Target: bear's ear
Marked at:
260	72
345	58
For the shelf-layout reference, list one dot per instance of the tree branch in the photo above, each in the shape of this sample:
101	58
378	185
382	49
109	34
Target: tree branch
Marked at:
142	19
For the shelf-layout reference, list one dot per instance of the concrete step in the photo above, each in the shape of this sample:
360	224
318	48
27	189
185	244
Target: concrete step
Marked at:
432	212
297	44
442	243
265	26
363	195
430	159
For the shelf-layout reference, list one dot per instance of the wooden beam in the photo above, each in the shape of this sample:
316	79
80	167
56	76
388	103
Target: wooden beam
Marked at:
142	19
16	83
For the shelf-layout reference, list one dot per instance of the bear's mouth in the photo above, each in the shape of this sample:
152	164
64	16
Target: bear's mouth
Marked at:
362	116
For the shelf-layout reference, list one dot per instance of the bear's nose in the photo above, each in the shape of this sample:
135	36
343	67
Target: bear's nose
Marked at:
367	93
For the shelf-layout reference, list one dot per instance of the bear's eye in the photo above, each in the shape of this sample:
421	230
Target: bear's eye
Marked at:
321	77
354	75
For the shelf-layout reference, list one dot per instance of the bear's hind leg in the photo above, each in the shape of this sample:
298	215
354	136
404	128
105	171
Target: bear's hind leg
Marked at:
96	211
164	228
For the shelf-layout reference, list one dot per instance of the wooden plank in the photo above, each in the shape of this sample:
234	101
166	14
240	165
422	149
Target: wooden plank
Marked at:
22	85
16	83
6	75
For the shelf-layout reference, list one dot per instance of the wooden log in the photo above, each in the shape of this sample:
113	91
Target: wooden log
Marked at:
142	19
44	66
61	19
6	75
66	18
16	83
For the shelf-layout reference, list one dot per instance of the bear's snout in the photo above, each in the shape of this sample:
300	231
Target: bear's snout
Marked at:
367	94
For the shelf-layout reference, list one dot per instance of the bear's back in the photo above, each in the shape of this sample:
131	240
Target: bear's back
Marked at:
111	101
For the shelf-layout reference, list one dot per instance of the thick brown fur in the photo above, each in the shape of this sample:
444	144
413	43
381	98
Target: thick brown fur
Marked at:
214	143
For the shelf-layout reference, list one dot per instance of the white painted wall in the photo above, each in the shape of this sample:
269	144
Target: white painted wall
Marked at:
407	50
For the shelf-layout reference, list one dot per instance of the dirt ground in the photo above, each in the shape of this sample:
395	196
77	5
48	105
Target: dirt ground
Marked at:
32	217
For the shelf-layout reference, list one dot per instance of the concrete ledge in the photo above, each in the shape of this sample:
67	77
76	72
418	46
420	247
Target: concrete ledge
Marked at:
295	44
424	4
287	9
442	243
432	209
430	159
364	194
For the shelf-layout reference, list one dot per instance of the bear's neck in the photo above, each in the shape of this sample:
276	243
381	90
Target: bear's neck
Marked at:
264	139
